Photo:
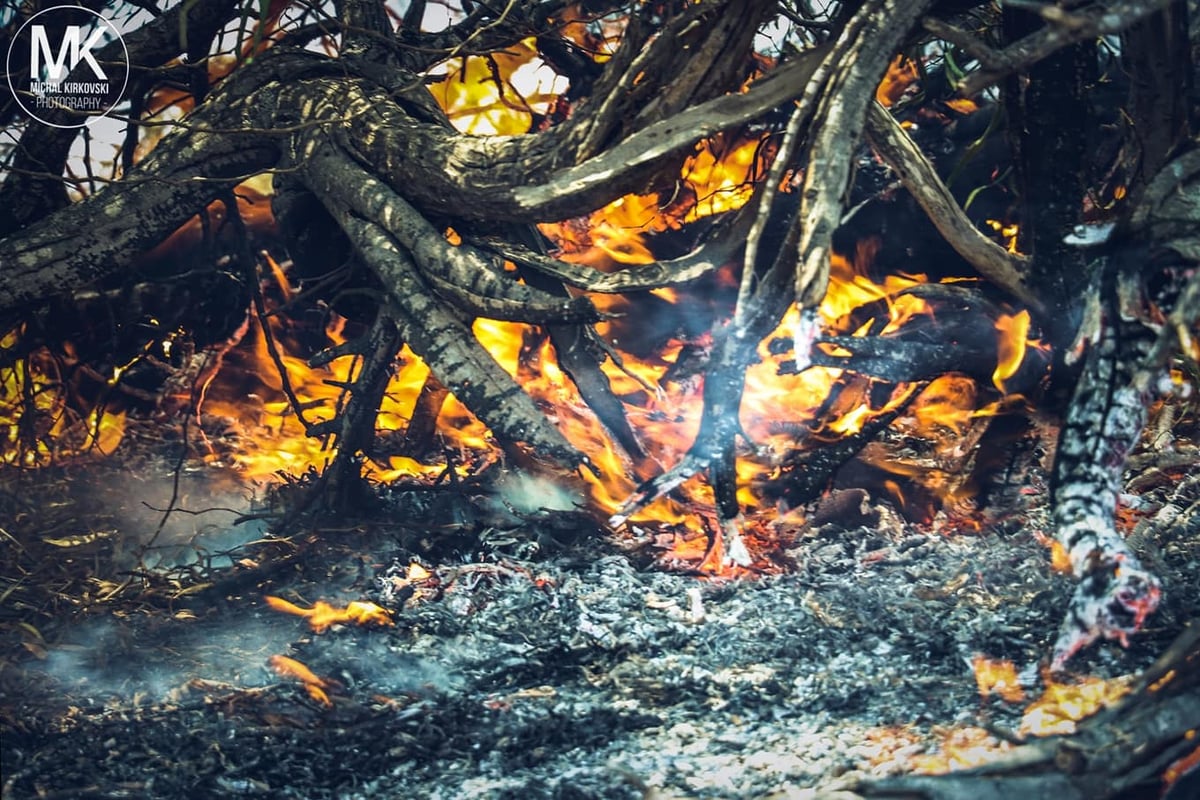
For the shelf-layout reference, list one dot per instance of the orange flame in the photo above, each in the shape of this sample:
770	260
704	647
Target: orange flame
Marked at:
323	616
901	75
1063	704
317	687
1182	766
39	411
961	748
1014	336
504	95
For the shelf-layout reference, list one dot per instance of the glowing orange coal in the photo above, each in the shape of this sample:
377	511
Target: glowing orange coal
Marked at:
1064	704
997	678
323	616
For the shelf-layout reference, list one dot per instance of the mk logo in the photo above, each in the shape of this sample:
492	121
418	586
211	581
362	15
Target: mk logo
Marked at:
58	66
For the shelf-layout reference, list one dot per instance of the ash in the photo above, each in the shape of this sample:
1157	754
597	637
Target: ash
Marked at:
543	657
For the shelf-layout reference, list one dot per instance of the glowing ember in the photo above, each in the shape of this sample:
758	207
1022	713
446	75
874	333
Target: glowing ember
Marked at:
1182	766
317	687
998	678
1062	705
1060	560
322	615
961	748
1008	232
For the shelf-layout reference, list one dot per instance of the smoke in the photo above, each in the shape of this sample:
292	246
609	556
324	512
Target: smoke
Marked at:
141	659
164	522
528	494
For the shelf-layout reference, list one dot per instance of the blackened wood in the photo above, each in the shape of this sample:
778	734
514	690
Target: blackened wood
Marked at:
422	425
577	356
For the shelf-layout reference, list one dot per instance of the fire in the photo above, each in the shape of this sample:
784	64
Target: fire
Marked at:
1014	337
1007	231
1063	704
901	76
41	410
322	616
250	423
998	678
500	93
318	688
961	748
1060	706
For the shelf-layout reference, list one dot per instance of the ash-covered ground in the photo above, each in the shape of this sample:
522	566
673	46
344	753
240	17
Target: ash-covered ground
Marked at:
548	658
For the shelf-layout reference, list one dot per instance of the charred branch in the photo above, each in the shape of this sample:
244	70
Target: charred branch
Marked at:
862	52
440	336
721	247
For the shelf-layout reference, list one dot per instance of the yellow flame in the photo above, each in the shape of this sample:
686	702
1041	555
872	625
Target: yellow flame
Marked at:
322	616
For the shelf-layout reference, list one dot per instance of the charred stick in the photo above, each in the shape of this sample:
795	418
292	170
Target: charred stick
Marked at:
418	436
356	432
808	472
893	359
577	358
512	309
921	179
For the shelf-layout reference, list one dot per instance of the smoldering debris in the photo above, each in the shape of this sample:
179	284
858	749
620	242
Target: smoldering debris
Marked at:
587	675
